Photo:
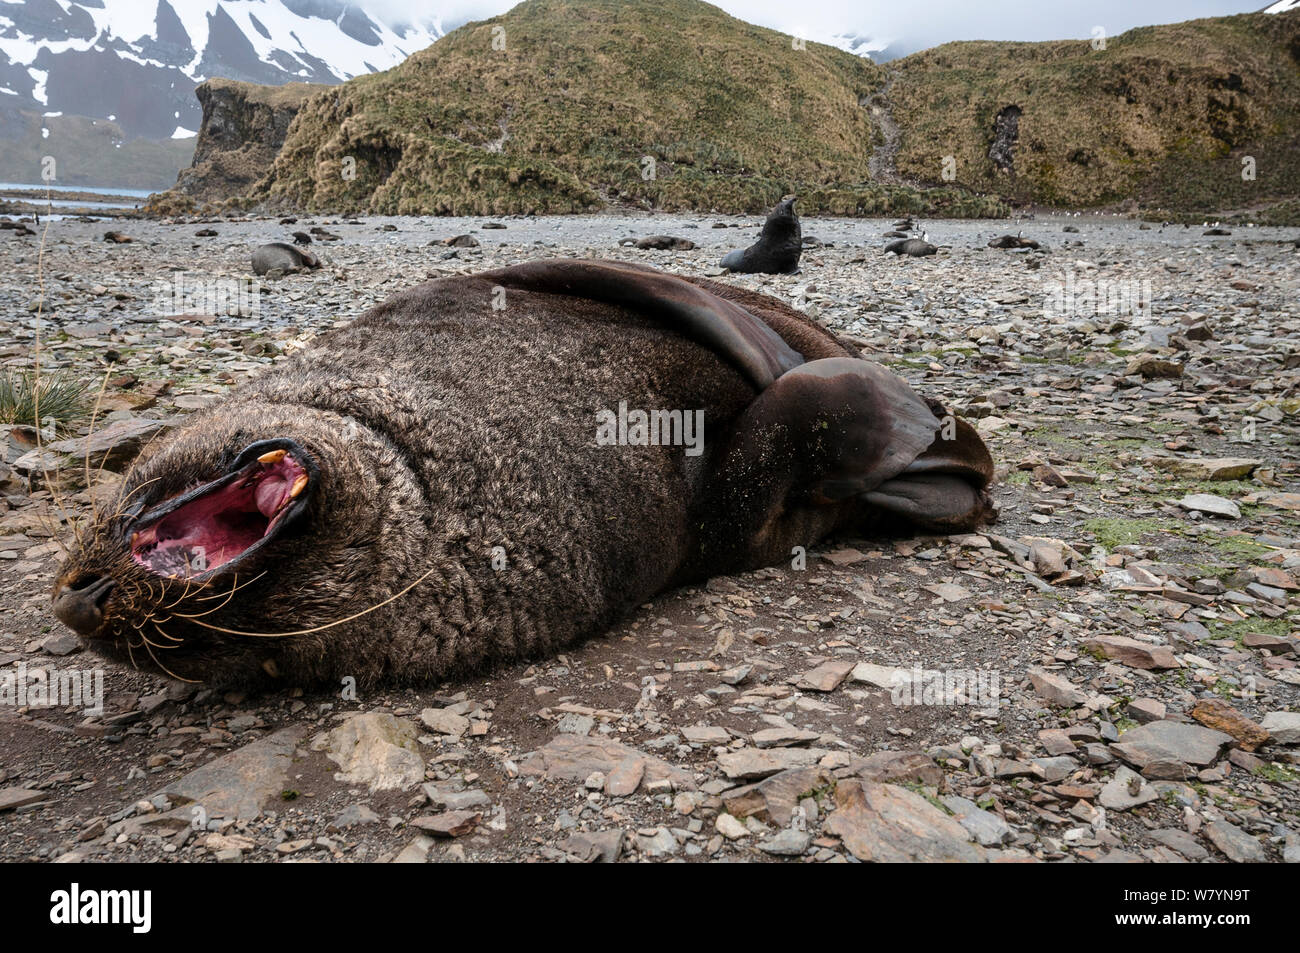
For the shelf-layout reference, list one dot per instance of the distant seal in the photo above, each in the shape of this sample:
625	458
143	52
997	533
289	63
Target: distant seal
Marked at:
661	243
778	247
912	247
485	468
1013	241
283	257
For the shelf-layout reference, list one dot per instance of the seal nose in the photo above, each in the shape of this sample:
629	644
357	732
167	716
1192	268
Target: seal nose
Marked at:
78	604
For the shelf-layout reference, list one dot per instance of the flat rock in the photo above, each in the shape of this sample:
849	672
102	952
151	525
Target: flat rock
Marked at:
1238	846
752	764
17	797
825	677
901	767
1133	653
1208	468
1209	503
1126	790
575	758
1171	741
774	799
448	823
987	828
782	737
886	823
1056	689
236	785
1284	726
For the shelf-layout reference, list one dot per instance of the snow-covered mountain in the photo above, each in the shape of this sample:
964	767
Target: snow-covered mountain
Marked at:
137	63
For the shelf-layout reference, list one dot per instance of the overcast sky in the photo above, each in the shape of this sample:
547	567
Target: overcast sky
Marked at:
914	24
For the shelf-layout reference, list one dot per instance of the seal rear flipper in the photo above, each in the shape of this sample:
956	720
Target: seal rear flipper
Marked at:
723	326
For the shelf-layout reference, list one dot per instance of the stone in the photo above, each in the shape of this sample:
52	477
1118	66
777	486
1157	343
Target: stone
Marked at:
782	737
600	847
825	677
987	828
1180	841
730	828
448	800
444	722
375	749
706	735
11	798
1209	503
881	676
574	758
1219	715
352	816
887	823
1056	689
774	799
448	823
752	764
626	776
1171	740
1146	710
901	767
1283	726
236	785
657	843
1238	846
1126	790
1133	653
1208	468
786	843
1153	366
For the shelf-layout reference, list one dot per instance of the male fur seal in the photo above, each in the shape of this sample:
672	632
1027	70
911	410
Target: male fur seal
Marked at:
503	464
778	247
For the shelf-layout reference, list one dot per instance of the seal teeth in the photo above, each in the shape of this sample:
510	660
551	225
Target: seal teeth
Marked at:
299	485
272	456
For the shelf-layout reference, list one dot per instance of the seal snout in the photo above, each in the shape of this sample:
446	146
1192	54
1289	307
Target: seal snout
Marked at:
79	604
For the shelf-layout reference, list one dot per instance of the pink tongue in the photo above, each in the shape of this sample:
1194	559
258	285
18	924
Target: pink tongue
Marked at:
268	495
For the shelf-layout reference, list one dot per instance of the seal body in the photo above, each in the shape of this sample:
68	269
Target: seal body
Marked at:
282	256
491	467
912	247
778	247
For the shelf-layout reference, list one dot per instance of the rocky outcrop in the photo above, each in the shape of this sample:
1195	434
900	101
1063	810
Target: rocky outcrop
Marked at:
244	126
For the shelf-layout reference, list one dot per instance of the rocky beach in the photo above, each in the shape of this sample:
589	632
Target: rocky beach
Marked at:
1107	673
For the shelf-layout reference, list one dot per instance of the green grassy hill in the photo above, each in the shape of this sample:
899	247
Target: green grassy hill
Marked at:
1163	115
562	106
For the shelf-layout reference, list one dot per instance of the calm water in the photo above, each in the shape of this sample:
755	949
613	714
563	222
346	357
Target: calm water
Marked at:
112	198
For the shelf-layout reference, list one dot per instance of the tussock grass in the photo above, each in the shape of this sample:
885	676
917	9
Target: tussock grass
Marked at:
57	396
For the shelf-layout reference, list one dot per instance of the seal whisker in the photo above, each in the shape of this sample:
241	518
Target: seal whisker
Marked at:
94	415
230	595
241	586
192	681
328	625
122	508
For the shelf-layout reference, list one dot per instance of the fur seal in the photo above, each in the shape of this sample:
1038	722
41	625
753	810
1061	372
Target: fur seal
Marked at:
1013	241
455	479
913	247
660	243
284	257
778	247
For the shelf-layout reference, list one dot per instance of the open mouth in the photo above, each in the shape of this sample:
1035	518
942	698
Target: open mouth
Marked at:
212	526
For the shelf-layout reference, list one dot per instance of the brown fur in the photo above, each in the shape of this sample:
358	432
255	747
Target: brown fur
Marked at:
444	429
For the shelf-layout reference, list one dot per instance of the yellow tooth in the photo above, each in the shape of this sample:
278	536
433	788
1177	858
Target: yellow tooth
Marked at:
273	456
299	485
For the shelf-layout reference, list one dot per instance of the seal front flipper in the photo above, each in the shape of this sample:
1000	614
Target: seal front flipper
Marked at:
841	443
723	326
